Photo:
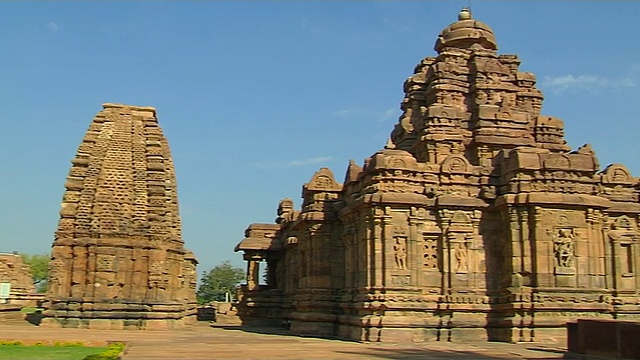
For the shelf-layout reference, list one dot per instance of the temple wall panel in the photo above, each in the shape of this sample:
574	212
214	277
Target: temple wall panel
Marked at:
622	238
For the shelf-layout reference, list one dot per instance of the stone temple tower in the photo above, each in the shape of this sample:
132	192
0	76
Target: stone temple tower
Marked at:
475	221
118	258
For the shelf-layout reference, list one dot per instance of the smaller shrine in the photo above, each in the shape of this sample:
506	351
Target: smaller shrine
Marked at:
118	260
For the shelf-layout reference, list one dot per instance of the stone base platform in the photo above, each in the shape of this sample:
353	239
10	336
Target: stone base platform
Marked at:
117	315
407	329
11	312
116	324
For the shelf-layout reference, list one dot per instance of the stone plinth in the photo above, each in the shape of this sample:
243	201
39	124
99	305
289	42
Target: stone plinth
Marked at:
11	312
118	258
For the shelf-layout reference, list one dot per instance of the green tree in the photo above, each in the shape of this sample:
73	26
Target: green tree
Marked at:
39	266
220	280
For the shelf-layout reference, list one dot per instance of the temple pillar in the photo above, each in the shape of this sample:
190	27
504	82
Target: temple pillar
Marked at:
253	271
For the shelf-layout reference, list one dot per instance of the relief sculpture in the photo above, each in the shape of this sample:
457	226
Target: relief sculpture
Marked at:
400	252
563	248
461	257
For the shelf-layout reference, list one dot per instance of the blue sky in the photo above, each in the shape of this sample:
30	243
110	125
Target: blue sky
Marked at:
254	97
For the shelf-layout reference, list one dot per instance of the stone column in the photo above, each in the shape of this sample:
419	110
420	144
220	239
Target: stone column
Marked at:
255	274
414	244
444	218
516	242
377	250
596	244
253	271
369	241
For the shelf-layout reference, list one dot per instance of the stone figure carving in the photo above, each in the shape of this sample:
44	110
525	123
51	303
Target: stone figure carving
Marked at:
400	252
564	251
461	255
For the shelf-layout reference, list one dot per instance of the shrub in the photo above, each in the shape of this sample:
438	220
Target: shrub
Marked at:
10	343
110	354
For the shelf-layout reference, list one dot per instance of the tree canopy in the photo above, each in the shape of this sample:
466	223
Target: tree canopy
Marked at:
39	266
220	280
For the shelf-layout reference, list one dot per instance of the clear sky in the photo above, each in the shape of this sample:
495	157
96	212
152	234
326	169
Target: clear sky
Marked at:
254	97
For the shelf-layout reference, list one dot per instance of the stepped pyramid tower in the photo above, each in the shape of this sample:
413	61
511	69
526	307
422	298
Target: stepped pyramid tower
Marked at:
476	220
118	259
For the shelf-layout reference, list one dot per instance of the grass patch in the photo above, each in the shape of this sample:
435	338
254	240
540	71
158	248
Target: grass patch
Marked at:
47	352
11	350
30	310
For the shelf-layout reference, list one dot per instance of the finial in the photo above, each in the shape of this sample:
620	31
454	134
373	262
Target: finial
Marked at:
390	145
465	14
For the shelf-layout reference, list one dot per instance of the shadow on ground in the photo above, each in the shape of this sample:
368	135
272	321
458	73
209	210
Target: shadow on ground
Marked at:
265	330
34	318
406	354
394	352
411	354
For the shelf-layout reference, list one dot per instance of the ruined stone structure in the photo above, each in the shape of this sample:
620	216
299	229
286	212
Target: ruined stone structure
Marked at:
118	258
14	271
476	219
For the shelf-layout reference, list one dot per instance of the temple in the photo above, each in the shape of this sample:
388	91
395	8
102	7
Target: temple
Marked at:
476	220
118	260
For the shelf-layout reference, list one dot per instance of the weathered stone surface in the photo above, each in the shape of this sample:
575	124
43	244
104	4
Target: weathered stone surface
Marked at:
475	220
14	271
118	252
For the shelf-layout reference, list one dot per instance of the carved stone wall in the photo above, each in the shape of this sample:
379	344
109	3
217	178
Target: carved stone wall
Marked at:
118	258
475	220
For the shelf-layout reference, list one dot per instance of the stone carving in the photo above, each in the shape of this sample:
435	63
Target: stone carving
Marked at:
616	173
475	219
456	164
105	262
118	246
461	257
401	280
285	211
563	248
430	254
400	252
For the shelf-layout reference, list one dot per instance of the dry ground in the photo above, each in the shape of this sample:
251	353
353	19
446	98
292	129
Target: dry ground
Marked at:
233	342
